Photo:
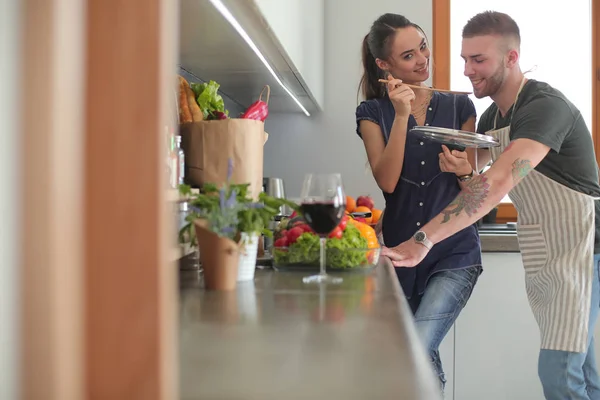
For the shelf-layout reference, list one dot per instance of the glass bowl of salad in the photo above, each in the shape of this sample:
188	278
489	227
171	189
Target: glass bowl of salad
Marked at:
350	246
336	259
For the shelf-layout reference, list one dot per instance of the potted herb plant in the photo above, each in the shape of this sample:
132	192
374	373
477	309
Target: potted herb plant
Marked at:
228	215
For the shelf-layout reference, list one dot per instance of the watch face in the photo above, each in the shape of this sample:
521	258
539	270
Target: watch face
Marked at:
420	236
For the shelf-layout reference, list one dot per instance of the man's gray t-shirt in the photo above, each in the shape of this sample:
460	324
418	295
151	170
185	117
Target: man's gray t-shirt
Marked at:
545	115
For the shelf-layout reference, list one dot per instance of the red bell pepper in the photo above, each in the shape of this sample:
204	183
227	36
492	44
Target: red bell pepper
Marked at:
259	110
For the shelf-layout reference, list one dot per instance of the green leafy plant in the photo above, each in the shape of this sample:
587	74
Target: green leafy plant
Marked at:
229	210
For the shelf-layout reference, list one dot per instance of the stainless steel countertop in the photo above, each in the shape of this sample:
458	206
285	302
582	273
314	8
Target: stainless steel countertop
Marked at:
277	338
498	238
496	243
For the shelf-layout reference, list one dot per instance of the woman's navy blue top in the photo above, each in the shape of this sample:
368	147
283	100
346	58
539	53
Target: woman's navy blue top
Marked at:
423	190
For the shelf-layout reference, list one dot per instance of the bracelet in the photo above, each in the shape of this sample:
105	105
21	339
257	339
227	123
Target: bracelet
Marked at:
465	178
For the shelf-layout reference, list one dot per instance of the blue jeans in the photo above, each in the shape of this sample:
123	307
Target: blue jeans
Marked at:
438	307
573	376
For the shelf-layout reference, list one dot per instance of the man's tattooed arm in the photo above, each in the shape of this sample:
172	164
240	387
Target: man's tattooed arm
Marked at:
520	169
469	200
486	190
475	192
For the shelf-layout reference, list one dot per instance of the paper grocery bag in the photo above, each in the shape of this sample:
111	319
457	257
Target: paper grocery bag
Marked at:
208	145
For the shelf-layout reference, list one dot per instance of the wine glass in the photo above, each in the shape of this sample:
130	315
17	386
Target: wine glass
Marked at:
322	204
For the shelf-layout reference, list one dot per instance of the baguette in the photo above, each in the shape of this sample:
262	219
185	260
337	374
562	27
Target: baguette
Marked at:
195	110
184	109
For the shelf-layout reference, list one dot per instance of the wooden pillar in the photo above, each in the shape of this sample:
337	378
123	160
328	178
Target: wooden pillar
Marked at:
441	43
98	292
130	286
596	76
51	110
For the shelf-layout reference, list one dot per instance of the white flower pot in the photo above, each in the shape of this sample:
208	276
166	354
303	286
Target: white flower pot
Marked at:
248	251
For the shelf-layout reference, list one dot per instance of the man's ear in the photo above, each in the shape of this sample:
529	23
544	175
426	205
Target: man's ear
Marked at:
512	58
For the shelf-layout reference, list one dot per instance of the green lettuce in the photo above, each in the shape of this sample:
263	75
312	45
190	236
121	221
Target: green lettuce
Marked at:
349	251
208	98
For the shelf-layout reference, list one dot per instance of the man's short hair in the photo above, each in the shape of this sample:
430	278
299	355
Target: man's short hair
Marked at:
493	23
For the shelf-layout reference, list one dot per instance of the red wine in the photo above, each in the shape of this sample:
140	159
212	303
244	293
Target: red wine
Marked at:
322	217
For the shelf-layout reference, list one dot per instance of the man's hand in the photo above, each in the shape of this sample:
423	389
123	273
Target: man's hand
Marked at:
407	254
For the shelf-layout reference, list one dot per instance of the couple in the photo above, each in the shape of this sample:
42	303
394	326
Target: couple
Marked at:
434	195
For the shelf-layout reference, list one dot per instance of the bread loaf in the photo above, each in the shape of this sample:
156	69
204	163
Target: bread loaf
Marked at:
184	109
195	110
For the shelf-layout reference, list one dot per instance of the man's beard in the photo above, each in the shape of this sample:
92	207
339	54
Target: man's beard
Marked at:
492	84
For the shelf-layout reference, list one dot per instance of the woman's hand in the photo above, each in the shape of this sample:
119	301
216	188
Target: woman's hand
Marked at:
455	162
401	96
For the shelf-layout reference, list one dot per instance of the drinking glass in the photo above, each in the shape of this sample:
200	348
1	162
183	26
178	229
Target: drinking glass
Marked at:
322	204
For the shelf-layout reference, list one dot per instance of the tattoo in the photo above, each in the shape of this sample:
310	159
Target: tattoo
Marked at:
470	199
520	169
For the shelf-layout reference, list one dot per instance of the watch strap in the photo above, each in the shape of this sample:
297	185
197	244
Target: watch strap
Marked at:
467	177
425	241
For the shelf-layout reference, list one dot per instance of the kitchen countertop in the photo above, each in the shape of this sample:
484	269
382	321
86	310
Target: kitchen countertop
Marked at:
494	239
498	238
277	338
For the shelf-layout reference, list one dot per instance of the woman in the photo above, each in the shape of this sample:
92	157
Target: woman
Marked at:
409	171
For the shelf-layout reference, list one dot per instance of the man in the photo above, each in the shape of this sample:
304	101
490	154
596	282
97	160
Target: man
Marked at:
546	163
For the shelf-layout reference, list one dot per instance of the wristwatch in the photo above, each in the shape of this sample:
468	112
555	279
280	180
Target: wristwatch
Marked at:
468	177
421	238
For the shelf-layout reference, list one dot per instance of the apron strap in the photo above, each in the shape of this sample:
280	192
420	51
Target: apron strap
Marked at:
514	104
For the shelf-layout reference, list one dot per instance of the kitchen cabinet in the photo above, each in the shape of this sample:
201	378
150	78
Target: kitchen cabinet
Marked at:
597	341
491	352
497	339
288	39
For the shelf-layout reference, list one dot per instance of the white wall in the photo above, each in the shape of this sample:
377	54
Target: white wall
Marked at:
9	204
327	142
299	27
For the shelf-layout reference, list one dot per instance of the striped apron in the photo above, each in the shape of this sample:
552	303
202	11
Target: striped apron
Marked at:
555	229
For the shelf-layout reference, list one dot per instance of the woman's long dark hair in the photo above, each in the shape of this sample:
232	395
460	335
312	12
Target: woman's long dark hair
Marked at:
376	44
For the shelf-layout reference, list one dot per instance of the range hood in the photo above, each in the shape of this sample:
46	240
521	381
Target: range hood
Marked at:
212	49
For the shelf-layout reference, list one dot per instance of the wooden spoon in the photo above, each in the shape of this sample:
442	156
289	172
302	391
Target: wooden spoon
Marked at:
428	88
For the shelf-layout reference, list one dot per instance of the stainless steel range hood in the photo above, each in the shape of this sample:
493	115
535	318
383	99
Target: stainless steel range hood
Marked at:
211	48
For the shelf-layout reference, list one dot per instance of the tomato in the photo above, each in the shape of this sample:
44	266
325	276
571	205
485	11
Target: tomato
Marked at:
281	242
282	233
336	233
304	227
293	234
343	223
370	257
